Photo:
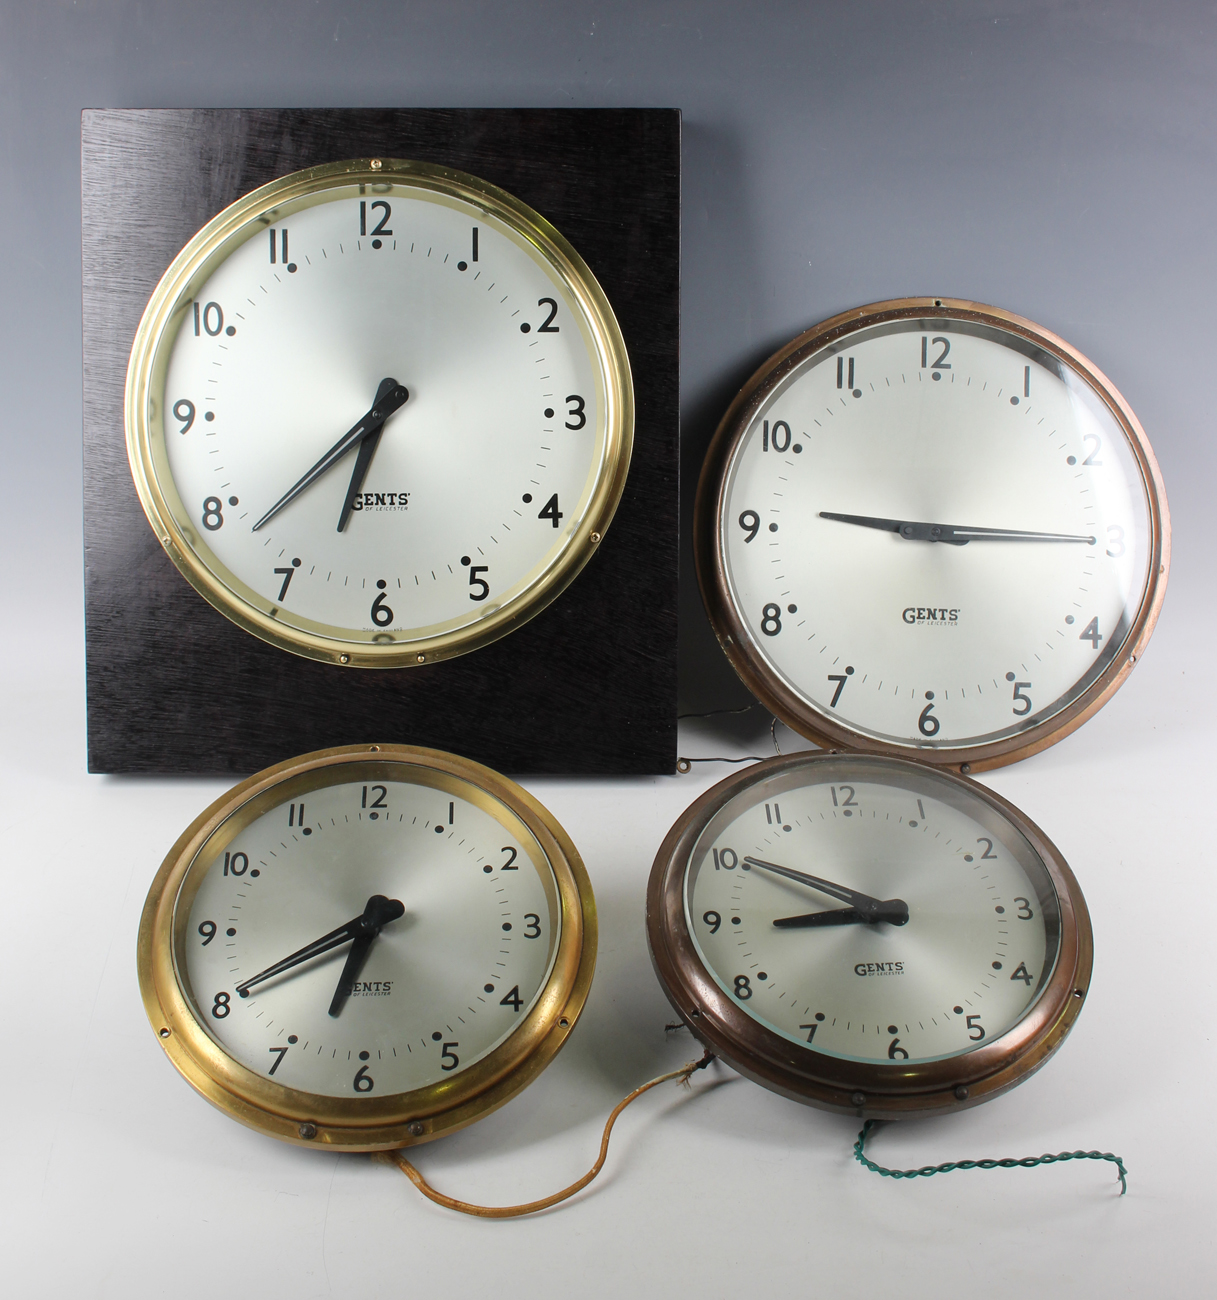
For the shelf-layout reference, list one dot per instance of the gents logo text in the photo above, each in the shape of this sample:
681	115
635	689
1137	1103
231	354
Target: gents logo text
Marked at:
879	968
371	989
931	615
381	501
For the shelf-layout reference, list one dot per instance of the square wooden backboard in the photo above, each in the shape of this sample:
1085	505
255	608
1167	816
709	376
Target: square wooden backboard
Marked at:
589	685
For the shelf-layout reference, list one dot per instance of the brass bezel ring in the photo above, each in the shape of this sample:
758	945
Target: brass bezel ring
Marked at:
736	639
145	432
404	1119
833	1083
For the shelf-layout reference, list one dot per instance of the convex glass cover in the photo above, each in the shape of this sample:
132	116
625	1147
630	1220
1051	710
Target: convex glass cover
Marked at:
379	412
367	946
933	527
867	933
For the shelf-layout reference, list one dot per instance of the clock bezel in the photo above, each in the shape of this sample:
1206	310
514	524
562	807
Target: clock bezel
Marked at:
732	631
872	1091
145	437
397	1120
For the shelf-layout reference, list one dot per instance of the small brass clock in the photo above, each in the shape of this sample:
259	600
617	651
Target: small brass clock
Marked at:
367	947
379	413
867	934
930	527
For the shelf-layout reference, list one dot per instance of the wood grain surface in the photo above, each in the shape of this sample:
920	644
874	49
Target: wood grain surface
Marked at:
586	687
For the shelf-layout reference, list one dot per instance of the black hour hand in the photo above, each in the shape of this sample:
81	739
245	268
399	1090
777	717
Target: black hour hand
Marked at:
389	397
378	912
895	911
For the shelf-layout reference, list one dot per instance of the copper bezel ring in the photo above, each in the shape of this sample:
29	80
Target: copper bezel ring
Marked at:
851	1087
736	639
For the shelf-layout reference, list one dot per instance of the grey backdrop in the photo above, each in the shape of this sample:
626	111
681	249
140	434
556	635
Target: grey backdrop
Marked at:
1057	159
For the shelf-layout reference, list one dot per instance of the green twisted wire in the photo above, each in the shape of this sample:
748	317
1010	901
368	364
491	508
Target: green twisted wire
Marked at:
1027	1162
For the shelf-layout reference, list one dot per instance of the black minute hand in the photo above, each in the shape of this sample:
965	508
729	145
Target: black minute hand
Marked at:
389	397
378	912
894	910
952	534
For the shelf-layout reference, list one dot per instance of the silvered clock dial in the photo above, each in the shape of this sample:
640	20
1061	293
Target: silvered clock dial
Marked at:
367	946
868	934
932	527
379	413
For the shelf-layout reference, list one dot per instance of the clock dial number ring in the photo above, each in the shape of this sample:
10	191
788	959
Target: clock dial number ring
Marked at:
830	1014
438	556
254	1056
961	563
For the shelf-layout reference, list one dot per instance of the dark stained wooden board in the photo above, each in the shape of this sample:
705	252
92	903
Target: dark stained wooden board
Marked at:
589	685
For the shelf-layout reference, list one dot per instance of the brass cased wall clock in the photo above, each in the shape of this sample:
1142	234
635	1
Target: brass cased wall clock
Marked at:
379	412
869	935
367	947
930	527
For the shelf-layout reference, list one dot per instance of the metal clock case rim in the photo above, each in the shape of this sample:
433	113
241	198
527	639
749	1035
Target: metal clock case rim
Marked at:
254	613
832	1083
737	642
309	1119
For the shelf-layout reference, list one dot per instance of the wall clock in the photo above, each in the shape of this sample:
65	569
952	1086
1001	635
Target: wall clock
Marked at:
379	412
867	934
571	640
933	528
367	947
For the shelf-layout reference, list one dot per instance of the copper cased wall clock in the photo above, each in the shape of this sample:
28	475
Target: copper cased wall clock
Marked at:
938	955
367	947
930	527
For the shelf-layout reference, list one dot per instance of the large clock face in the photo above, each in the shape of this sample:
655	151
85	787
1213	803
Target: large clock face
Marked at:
379	416
932	532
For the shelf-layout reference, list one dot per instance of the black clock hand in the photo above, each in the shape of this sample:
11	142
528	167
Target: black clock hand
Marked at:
952	534
895	911
367	449
863	903
378	912
368	424
356	957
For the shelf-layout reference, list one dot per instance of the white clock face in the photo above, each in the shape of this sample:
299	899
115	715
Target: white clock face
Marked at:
462	922
935	534
874	913
503	449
